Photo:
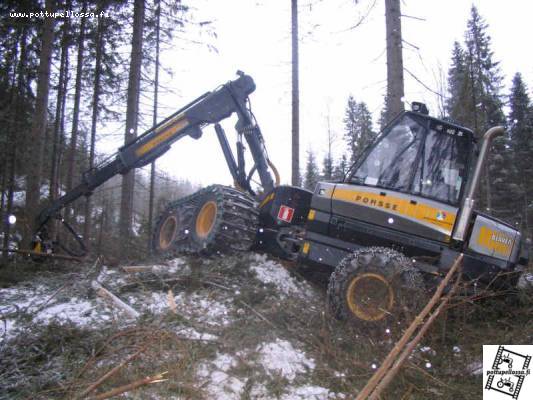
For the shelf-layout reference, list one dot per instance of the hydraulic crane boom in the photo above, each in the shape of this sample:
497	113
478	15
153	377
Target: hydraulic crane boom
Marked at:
210	108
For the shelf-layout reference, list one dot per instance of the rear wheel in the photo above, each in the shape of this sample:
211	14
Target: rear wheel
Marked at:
171	229
376	288
224	220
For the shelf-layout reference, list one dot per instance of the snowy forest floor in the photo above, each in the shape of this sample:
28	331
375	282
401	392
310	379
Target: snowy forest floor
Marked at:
243	327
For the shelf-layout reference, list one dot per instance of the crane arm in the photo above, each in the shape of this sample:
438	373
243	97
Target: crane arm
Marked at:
210	108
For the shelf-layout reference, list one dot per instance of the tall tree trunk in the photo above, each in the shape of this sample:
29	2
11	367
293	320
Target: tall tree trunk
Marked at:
156	92
94	119
11	72
295	96
11	155
71	161
395	91
59	123
60	101
132	112
38	127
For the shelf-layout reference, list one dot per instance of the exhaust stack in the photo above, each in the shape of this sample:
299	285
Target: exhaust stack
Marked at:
468	203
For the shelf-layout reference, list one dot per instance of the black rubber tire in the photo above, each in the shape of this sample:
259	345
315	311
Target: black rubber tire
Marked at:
407	284
181	210
234	223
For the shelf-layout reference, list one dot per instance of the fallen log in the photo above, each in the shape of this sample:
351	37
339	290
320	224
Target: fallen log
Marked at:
106	294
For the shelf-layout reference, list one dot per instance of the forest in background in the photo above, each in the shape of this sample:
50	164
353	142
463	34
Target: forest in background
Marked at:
62	78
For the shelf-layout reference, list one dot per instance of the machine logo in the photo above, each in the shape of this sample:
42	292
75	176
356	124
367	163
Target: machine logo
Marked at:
506	372
285	213
441	215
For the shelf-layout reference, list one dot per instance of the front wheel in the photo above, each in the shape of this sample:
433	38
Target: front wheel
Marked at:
376	288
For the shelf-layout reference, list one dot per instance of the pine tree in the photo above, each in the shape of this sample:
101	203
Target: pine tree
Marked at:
359	132
521	133
312	174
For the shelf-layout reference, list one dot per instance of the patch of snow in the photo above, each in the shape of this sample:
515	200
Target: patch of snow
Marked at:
310	392
172	267
526	281
280	357
200	308
219	383
475	368
191	333
428	350
31	300
75	310
268	271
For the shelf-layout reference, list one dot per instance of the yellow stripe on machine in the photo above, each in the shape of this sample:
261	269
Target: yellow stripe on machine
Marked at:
165	132
443	220
495	241
267	199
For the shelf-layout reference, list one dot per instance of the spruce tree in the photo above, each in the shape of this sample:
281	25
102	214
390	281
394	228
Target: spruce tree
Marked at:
340	169
359	132
458	85
327	168
312	174
520	122
475	102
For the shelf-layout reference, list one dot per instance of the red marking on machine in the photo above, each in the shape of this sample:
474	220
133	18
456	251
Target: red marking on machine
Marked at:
285	213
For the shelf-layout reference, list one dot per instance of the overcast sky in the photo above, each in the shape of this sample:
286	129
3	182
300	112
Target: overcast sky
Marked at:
335	61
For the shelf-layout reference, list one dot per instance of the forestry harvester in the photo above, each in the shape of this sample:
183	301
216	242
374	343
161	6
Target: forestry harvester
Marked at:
402	214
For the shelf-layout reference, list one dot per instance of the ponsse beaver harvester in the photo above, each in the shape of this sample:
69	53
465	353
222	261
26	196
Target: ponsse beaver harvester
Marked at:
403	213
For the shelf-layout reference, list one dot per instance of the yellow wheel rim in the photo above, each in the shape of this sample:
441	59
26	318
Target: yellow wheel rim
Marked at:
168	232
370	297
206	219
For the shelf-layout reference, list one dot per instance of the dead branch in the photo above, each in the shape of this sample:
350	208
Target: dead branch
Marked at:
131	386
410	347
258	314
171	302
111	372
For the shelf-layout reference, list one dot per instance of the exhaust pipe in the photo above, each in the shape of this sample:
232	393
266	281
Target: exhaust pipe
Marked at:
468	203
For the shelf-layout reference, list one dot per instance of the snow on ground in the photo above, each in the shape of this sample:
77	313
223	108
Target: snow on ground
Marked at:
202	308
217	380
271	272
280	357
207	314
311	392
526	281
